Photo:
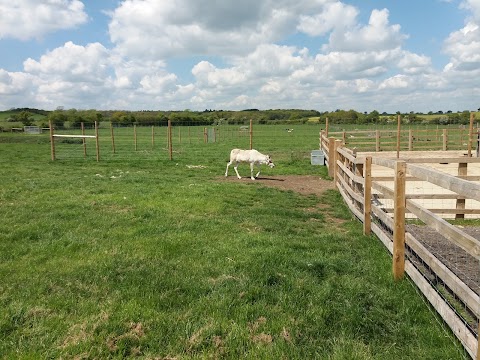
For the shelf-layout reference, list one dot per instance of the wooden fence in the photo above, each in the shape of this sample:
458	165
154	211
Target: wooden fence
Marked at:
418	139
453	299
82	136
410	140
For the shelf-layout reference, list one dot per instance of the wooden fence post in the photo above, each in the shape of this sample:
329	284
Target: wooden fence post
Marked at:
113	137
84	142
470	134
97	143
52	140
251	134
358	168
377	140
153	137
398	261
462	171
367	195
410	140
135	136
331	156
169	134
445	140
399	122
326	127
336	157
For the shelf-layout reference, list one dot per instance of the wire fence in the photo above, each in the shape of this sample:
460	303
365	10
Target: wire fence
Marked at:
164	142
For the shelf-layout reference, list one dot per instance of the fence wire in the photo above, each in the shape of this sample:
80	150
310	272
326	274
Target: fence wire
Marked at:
152	142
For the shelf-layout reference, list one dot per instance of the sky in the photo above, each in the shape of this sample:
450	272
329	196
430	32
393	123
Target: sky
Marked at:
365	55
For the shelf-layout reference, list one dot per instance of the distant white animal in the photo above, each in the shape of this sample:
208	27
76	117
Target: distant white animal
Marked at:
248	156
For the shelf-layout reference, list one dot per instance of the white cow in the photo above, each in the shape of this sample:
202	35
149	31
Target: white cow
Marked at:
249	156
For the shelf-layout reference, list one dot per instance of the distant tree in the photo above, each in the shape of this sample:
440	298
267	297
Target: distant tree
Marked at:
25	118
87	117
122	118
58	118
373	117
464	117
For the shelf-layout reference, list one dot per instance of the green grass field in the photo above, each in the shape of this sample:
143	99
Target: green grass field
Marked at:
141	256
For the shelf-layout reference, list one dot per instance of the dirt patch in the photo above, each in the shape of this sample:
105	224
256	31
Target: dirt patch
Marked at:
303	184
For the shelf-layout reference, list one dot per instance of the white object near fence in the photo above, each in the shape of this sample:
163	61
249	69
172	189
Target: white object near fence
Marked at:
317	157
34	130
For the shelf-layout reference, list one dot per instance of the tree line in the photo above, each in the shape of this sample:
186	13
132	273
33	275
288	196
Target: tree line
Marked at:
73	118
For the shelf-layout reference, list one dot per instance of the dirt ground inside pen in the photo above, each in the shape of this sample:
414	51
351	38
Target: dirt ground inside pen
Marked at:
463	265
303	184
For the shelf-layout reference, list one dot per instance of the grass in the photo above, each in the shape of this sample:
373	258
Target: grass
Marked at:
140	256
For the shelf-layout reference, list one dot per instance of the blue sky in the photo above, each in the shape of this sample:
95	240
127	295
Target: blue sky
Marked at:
397	55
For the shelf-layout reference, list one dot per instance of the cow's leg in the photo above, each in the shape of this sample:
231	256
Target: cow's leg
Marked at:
228	164
251	171
235	168
258	173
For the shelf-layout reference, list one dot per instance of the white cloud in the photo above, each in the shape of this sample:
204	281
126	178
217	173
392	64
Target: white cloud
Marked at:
396	82
273	60
350	65
158	83
14	83
207	75
72	62
474	7
26	19
150	28
164	28
463	46
376	36
411	63
334	16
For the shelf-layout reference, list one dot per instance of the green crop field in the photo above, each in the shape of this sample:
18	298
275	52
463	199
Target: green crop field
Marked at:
137	255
